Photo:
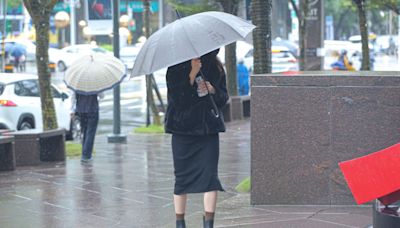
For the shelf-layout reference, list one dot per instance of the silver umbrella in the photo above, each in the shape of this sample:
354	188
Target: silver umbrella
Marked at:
189	37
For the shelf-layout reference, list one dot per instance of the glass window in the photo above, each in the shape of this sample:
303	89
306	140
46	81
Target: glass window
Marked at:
55	93
101	50
27	88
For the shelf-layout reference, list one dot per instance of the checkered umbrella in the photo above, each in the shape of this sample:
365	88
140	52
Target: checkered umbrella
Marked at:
94	73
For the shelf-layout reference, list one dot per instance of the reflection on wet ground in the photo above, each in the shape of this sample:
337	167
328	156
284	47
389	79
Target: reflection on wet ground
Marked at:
131	185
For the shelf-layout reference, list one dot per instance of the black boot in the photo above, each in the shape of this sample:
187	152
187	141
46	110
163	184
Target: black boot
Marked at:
208	223
180	224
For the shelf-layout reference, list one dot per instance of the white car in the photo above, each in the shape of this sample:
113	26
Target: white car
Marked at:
66	56
20	105
241	50
282	60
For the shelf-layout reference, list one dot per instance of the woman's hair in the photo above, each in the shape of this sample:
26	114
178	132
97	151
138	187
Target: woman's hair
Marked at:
210	59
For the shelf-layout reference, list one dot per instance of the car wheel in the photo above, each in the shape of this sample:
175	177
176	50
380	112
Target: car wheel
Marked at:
26	125
75	129
61	66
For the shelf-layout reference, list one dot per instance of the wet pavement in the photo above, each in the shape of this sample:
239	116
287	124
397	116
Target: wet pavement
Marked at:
131	185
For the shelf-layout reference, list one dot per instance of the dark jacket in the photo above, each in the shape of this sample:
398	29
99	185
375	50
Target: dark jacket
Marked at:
86	103
187	113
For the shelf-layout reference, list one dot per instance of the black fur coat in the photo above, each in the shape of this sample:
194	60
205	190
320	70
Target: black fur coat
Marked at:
187	113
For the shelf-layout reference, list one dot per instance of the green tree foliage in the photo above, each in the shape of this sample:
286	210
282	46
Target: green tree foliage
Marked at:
14	3
393	5
40	12
345	17
189	9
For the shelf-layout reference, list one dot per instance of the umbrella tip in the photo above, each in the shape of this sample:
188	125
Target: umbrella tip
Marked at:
178	14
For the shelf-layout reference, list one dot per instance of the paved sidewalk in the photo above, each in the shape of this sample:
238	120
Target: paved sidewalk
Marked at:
131	185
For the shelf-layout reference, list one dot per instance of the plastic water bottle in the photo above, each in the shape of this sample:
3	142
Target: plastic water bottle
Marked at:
200	93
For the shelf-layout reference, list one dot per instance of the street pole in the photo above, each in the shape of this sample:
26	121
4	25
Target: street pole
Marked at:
72	21
149	91
116	137
3	62
398	39
160	14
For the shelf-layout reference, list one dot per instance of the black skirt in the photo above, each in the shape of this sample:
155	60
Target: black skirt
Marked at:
196	163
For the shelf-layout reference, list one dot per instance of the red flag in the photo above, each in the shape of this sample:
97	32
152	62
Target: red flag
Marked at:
374	176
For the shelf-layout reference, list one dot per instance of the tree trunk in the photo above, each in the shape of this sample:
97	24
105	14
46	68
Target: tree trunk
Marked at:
149	86
261	16
301	17
231	6
303	34
40	13
364	33
231	71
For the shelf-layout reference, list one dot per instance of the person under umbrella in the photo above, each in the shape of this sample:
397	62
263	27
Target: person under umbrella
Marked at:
18	51
86	108
88	77
196	85
194	128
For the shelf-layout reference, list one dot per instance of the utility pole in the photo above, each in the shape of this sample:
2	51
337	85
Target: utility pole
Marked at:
398	39
160	14
116	137
149	94
3	62
72	22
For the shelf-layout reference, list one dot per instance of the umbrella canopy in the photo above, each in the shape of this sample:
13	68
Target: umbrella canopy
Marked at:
18	50
7	46
188	38
94	73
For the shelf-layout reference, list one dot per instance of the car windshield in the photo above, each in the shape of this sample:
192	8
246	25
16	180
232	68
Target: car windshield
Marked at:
1	88
101	50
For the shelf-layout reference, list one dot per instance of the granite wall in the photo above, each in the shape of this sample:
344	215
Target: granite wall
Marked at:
303	125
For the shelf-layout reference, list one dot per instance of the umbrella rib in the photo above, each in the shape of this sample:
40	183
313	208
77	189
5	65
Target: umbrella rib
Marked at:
187	35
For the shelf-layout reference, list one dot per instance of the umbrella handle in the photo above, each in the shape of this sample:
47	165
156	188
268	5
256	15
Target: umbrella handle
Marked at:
178	14
214	110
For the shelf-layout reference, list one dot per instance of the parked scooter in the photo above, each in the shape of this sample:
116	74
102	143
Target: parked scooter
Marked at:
343	62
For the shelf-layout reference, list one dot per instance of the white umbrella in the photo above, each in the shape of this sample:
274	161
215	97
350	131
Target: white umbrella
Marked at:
189	37
94	73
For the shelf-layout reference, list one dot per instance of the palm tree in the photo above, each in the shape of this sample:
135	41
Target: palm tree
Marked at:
364	33
40	12
261	17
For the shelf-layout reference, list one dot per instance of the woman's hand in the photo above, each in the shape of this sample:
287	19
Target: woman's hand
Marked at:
196	65
201	86
210	88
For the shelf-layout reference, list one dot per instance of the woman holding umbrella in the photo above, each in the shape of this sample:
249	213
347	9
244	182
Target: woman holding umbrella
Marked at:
88	77
191	120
